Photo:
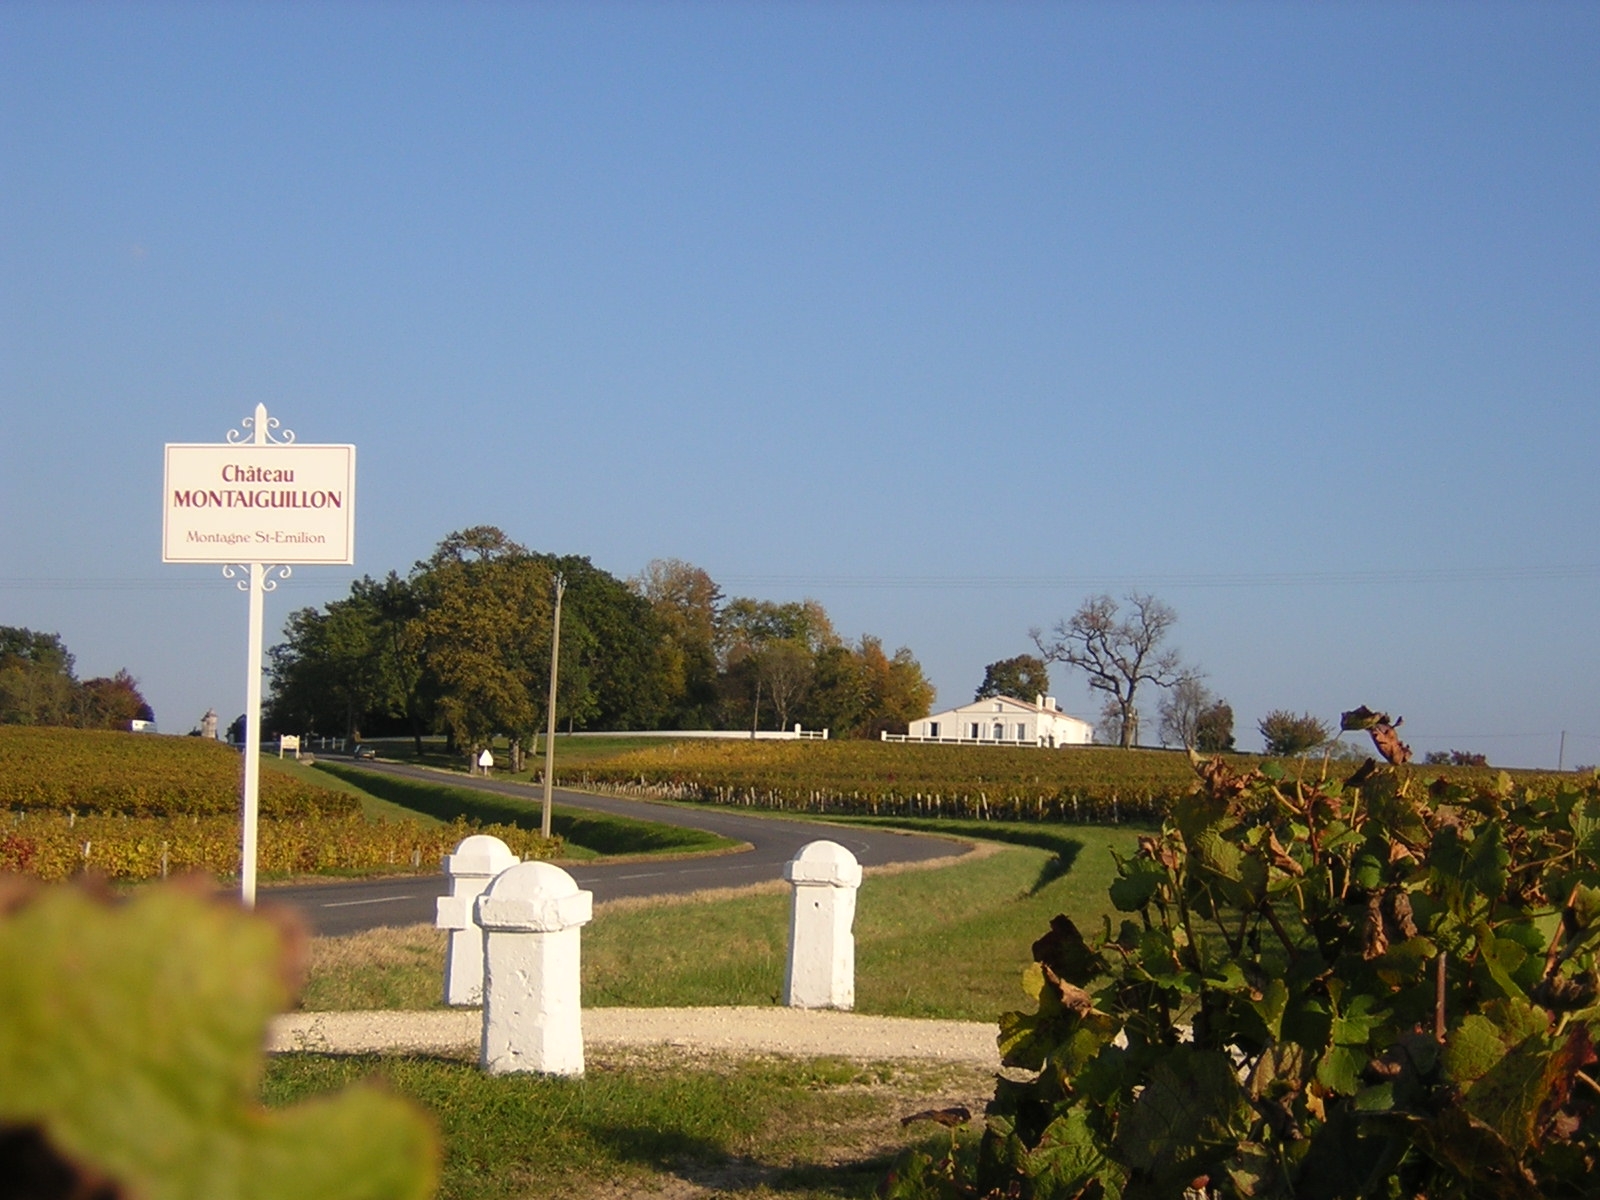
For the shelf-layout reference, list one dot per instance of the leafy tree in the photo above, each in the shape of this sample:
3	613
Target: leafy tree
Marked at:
37	686
610	663
686	603
753	670
1287	735
484	633
897	692
1213	729
1021	678
1118	652
112	703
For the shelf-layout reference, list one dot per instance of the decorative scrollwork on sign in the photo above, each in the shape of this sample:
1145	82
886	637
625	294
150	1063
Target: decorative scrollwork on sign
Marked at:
268	583
265	433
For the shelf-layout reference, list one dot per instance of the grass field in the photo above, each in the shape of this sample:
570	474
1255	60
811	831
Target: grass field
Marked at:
657	1125
942	942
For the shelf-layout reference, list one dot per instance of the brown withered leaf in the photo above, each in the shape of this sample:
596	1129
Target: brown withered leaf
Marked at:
1361	718
1374	940
1386	1066
1279	857
1221	781
1065	955
1561	993
1073	998
950	1118
1362	773
1397	906
1388	742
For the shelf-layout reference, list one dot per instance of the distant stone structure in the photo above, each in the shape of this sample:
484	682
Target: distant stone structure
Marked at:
208	725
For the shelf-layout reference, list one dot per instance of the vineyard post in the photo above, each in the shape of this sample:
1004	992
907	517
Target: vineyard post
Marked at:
213	497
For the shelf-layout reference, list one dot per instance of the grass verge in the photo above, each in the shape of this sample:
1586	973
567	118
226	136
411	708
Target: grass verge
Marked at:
587	834
946	942
656	1125
373	807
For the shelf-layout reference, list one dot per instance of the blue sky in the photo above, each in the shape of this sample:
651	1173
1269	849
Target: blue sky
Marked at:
947	315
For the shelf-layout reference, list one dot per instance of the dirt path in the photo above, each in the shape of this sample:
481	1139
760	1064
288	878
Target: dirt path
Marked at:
790	1031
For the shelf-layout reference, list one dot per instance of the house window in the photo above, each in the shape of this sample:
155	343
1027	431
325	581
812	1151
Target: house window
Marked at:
999	732
974	731
933	729
1022	733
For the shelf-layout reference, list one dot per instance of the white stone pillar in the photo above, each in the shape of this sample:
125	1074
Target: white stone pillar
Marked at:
532	916
477	860
822	950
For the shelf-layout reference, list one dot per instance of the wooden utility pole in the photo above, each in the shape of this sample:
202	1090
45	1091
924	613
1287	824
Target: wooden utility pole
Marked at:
550	714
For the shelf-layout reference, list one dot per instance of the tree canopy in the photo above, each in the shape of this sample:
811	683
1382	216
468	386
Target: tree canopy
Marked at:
1021	678
461	646
39	686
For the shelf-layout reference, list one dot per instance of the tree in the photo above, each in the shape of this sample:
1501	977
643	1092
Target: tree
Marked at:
1021	678
1117	652
484	634
747	629
113	703
1181	709
686	603
37	686
1287	735
1213	729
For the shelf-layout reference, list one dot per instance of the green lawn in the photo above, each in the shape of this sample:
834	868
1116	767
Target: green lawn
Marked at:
943	942
760	1128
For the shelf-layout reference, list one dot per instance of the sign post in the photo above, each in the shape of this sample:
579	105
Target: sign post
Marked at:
257	503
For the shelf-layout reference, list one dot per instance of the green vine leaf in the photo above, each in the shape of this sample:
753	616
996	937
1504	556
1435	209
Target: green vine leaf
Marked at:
130	1035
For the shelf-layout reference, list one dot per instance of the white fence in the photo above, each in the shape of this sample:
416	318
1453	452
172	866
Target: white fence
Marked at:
963	741
797	734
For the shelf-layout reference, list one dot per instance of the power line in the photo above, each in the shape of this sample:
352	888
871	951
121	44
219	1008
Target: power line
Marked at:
1227	579
1417	575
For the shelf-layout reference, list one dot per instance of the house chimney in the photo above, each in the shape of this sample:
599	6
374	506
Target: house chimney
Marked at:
1038	700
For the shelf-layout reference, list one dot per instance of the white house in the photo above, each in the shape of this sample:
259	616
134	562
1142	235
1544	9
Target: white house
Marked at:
1001	721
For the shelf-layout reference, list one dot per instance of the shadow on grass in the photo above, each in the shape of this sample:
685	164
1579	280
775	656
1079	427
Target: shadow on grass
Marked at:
592	831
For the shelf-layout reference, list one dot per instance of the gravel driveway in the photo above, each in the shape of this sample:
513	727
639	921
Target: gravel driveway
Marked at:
804	1033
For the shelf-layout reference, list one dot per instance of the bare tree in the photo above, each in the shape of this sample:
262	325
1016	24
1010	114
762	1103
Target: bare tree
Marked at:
1117	652
1181	711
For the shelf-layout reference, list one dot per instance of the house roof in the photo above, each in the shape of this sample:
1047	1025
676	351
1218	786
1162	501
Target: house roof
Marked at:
986	707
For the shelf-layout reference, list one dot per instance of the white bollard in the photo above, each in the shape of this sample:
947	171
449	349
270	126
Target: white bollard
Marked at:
532	916
477	860
822	950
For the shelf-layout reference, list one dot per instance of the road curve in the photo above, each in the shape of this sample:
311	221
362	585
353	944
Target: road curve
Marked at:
354	905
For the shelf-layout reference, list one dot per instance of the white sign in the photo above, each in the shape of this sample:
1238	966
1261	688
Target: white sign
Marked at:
279	503
486	760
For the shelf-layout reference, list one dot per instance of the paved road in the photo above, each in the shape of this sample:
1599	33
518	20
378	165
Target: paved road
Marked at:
351	906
